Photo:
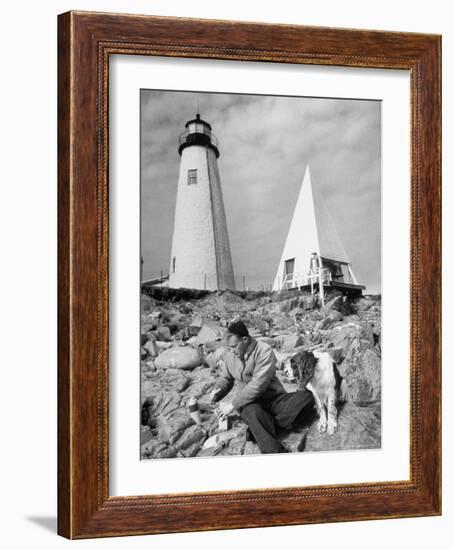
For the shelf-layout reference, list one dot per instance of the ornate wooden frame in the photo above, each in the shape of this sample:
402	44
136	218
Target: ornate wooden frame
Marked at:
85	41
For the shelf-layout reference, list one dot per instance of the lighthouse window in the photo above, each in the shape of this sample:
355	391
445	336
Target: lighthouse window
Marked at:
192	177
174	264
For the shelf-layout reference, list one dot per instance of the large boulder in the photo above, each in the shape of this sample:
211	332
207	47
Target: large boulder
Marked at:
202	382
358	428
172	427
333	305
292	341
363	304
161	404
163	333
190	436
179	357
334	316
175	379
191	450
209	333
362	373
201	387
361	364
151	385
349	336
151	348
165	403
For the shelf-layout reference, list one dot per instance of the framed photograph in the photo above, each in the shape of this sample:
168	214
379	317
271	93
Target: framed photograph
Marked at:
249	275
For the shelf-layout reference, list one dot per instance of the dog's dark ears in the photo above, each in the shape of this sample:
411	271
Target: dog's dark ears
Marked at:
305	361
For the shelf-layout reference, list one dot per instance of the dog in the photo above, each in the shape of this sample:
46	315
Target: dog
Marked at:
317	372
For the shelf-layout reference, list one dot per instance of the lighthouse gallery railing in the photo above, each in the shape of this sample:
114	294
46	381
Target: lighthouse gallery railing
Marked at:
206	132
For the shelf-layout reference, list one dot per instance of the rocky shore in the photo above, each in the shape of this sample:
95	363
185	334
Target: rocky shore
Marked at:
182	345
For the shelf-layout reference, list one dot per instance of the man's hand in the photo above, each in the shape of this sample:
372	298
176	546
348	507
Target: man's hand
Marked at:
224	409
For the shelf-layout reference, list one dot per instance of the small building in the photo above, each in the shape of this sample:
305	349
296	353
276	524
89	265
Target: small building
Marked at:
313	256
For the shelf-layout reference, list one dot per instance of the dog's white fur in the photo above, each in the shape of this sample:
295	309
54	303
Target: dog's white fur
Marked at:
323	387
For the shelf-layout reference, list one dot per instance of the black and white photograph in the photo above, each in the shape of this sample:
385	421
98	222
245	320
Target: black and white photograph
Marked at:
260	274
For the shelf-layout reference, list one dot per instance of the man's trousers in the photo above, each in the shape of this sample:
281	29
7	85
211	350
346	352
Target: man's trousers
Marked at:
263	417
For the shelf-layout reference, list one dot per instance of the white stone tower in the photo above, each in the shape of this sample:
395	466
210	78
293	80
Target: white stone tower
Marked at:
313	255
200	252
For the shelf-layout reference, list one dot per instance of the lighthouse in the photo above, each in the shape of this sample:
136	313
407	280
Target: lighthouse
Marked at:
200	251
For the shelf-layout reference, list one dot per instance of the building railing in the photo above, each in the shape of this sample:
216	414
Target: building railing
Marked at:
295	280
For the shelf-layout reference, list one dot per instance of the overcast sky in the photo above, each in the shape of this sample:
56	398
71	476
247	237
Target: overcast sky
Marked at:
265	143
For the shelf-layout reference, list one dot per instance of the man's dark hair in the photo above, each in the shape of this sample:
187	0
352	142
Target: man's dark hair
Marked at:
239	329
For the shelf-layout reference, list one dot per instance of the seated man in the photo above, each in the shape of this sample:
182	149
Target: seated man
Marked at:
261	399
